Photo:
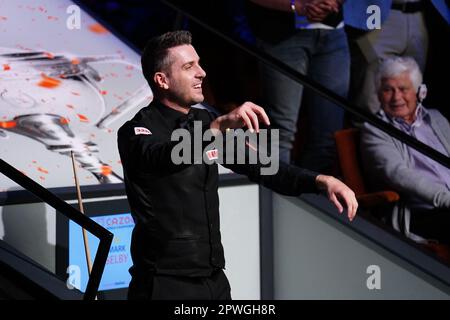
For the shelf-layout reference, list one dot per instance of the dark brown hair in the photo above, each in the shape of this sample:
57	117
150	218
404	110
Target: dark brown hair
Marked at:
155	56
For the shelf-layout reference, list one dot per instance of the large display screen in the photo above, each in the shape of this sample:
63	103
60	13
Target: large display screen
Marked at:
115	275
71	266
67	83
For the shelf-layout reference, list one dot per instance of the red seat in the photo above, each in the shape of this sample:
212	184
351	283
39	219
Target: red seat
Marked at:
347	145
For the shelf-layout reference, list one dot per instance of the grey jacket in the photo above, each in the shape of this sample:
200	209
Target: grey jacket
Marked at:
388	164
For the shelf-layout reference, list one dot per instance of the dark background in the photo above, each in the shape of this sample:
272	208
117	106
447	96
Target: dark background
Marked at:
232	75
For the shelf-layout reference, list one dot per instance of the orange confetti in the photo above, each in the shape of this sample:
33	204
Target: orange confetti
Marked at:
48	82
63	120
82	118
52	18
75	61
42	170
106	170
6	67
49	55
98	28
8	124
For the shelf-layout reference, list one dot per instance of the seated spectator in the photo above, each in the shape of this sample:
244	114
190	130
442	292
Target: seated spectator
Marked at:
423	184
402	31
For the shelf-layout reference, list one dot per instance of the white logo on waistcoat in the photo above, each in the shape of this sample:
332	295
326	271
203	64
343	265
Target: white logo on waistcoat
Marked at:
141	130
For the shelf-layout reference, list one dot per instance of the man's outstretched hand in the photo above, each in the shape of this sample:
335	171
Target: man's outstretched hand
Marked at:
339	194
248	115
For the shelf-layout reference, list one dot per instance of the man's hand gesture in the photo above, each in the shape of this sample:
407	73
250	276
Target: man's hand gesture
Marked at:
248	115
339	194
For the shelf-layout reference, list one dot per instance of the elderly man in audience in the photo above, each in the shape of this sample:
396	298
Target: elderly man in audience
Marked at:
423	184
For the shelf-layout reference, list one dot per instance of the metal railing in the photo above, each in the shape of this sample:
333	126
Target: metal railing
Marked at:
70	212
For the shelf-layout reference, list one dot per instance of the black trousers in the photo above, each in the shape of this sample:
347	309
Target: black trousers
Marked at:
168	287
431	224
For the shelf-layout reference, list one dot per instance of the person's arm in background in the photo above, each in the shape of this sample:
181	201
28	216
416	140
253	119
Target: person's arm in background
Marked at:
318	10
384	163
315	10
282	5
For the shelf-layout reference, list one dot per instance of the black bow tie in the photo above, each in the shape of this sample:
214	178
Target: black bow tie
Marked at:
187	121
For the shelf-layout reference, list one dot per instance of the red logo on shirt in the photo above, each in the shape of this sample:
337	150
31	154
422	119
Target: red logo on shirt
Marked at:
212	154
